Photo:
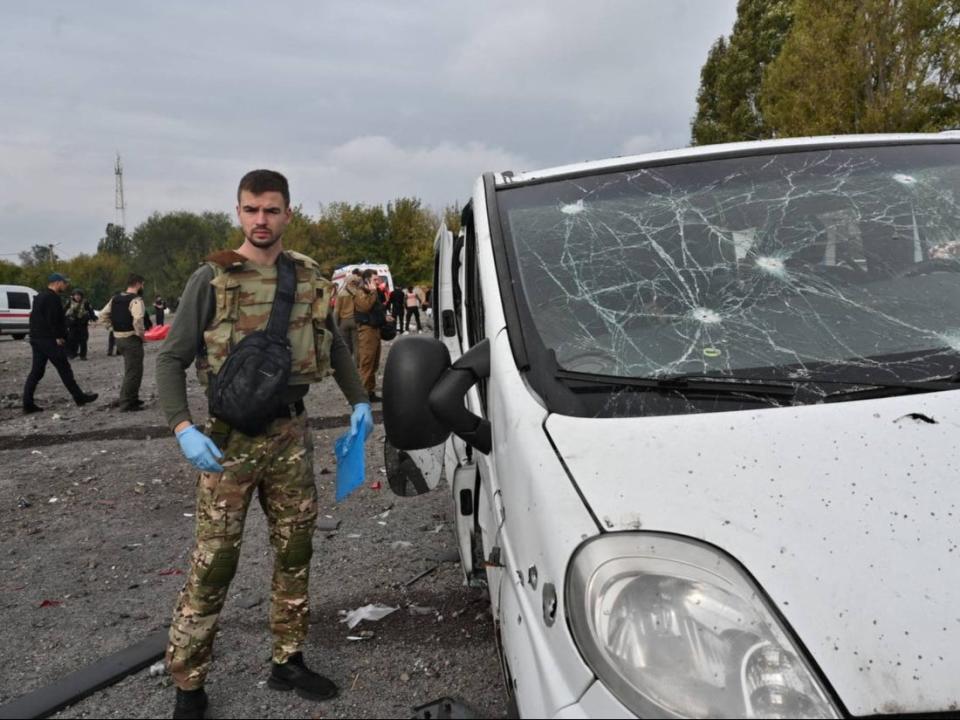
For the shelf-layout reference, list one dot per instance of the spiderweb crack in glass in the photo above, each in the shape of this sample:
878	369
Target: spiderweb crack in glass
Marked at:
842	262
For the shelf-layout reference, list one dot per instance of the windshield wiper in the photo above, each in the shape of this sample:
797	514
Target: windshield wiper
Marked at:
689	383
865	390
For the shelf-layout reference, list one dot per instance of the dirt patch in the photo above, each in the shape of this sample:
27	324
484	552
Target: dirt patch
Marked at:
96	526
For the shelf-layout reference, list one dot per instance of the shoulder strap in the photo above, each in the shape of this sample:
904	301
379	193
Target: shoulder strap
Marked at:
279	322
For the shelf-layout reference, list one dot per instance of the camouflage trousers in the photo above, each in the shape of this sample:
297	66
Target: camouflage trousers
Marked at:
279	466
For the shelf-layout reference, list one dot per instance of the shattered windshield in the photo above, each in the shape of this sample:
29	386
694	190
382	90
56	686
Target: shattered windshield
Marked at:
829	263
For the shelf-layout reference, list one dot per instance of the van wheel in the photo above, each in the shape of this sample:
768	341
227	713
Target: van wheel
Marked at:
19	336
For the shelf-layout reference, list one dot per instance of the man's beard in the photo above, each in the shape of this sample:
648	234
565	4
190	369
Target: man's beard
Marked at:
262	244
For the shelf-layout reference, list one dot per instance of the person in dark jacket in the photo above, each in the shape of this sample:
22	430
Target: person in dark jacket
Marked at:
396	307
48	340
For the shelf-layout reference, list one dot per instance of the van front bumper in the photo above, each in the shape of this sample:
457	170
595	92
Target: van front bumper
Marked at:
596	702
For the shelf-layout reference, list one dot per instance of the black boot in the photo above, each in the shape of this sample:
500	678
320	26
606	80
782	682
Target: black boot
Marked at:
294	675
86	398
190	704
31	408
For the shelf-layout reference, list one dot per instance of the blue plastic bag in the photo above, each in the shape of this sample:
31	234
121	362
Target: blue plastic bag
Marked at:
351	462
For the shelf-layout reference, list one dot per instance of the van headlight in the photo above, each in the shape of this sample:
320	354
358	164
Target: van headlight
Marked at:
675	628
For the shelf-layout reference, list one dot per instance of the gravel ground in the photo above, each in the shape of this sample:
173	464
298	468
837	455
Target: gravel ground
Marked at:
96	528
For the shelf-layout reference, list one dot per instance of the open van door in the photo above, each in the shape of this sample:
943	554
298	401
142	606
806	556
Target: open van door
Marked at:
413	472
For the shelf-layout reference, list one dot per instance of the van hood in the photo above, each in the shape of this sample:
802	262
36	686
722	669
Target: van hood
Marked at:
847	514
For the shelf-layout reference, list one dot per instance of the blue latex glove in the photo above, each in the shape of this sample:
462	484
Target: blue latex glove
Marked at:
362	415
200	450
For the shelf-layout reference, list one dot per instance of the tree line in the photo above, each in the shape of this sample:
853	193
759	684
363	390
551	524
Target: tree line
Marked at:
167	247
810	67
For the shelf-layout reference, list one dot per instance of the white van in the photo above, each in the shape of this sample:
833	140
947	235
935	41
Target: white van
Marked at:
16	302
383	273
705	427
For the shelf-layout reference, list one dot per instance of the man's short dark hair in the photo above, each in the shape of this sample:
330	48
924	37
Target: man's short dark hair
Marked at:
357	271
367	274
134	279
262	181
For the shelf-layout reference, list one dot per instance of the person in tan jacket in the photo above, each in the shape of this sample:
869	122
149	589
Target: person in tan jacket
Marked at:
370	315
344	310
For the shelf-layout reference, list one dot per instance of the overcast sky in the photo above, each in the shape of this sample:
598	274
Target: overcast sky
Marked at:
360	100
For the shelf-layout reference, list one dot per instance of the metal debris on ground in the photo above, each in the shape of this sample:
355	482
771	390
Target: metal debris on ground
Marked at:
362	635
444	708
23	503
422	575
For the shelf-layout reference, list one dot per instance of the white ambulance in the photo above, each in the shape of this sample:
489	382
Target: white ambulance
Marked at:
16	302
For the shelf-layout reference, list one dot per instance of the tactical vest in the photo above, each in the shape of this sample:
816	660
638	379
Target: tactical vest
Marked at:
121	319
243	293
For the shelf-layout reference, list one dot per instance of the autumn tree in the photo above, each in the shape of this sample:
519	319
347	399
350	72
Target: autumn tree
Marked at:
728	107
866	66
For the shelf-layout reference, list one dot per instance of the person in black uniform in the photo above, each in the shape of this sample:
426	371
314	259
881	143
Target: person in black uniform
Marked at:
48	340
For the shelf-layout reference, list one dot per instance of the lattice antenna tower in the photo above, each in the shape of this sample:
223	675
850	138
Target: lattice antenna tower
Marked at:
119	204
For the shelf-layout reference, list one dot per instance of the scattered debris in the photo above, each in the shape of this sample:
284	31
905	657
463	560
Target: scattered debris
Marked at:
371	613
376	485
23	503
354	536
51	603
250	601
158	668
362	635
188	514
422	575
324	471
53	500
57	416
328	524
404	677
36	452
420	610
171	571
401	545
446	707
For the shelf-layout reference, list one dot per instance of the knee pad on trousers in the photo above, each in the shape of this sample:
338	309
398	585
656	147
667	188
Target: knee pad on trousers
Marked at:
222	568
297	551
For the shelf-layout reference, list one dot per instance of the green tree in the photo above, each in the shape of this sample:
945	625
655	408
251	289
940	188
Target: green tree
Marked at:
167	248
450	216
11	273
728	109
869	66
409	252
116	242
99	276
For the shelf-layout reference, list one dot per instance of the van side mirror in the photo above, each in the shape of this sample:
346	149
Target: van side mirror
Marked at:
423	394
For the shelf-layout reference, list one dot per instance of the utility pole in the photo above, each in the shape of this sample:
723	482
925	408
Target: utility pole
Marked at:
119	204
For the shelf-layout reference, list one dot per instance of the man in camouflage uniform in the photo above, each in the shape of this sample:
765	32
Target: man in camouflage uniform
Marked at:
78	317
225	300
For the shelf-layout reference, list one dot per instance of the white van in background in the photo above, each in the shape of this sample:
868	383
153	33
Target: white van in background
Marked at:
383	273
16	301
